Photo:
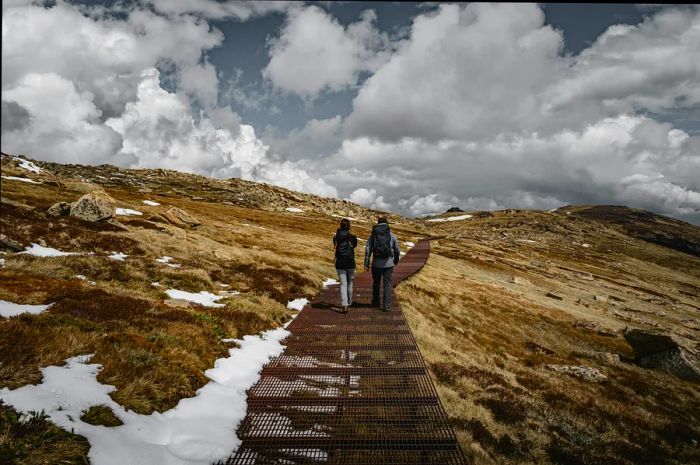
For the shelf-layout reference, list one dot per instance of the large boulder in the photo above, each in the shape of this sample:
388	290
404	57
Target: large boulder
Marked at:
668	352
179	217
94	206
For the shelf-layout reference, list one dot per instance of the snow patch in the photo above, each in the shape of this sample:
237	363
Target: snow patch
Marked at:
203	298
128	212
409	244
84	278
297	304
40	251
329	282
15	178
8	309
28	165
118	256
294	210
451	218
199	430
166	261
151	203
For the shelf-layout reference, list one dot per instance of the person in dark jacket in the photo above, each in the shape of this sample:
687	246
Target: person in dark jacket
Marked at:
384	246
345	244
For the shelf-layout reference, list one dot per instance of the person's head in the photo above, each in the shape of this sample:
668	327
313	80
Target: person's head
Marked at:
345	224
382	219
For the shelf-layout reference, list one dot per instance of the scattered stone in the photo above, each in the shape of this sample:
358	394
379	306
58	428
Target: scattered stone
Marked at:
587	276
587	373
594	327
94	206
605	357
179	217
538	349
600	298
41	242
11	244
59	209
519	281
145	190
633	318
554	296
667	352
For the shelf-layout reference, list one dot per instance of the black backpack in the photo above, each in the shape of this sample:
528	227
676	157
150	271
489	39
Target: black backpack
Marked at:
381	241
343	247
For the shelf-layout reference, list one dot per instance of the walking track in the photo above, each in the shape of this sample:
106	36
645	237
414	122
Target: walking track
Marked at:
349	389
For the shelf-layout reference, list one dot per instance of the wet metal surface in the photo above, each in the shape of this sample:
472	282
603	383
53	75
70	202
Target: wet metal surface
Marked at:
349	389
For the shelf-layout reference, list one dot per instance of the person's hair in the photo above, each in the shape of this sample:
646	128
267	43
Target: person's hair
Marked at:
345	224
382	219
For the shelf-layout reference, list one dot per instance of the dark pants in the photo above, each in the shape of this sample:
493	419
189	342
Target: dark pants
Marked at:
379	274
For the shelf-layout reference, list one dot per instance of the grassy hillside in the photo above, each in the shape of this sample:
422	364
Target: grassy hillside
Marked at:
506	300
507	295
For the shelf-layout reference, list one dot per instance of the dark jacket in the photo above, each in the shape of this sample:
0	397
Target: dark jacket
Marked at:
341	241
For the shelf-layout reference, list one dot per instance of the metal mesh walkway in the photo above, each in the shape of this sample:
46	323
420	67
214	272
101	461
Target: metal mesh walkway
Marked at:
349	389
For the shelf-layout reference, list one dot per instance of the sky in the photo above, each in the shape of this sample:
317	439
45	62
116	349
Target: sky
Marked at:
407	107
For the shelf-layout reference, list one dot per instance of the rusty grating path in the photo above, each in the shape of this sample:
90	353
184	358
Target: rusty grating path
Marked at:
349	389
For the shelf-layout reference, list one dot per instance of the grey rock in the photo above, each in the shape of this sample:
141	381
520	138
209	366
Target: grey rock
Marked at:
179	217
668	352
587	373
59	209
11	244
94	206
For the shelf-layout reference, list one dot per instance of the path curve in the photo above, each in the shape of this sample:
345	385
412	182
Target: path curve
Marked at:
349	389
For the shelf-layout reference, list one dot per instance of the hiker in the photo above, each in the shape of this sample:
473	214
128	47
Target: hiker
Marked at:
345	244
383	245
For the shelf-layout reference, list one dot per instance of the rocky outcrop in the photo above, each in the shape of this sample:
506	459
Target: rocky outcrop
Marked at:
10	244
179	217
94	206
587	373
667	352
59	209
454	210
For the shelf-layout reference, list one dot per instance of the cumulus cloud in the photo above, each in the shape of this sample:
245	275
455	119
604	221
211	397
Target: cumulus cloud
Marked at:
90	91
479	108
369	198
314	52
212	9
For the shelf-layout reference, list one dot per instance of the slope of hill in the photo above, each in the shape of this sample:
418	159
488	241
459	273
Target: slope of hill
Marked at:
519	313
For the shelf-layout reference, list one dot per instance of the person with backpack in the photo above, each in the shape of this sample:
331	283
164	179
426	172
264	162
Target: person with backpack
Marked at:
345	244
384	247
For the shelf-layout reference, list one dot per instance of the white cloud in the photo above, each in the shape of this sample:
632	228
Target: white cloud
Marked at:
158	130
219	10
369	198
314	52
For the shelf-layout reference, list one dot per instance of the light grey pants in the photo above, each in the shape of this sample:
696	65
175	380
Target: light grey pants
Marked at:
346	277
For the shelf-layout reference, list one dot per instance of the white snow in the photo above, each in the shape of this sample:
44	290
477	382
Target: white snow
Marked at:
128	212
198	431
40	251
401	254
203	298
166	261
2	262
15	178
27	165
8	309
450	218
151	203
118	256
84	278
585	245
294	210
409	244
297	304
155	284
329	282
